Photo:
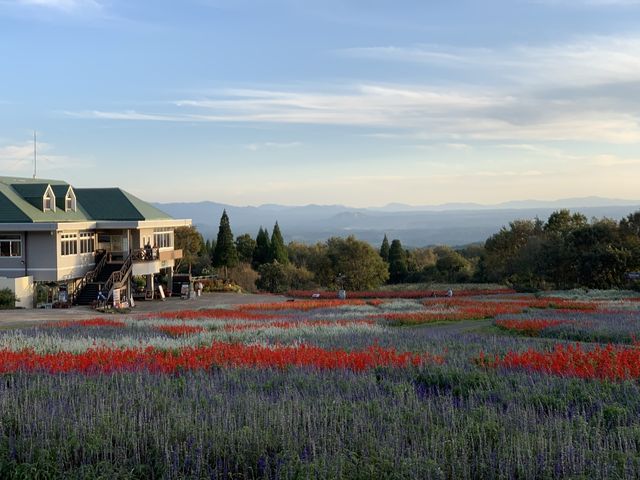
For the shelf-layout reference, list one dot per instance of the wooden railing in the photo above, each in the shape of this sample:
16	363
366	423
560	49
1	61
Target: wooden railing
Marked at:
118	276
89	277
145	254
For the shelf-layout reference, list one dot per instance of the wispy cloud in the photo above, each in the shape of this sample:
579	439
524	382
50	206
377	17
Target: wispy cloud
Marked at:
63	5
17	158
582	61
582	90
608	160
266	145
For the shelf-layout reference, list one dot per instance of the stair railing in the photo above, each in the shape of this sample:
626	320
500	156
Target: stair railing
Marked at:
118	276
89	277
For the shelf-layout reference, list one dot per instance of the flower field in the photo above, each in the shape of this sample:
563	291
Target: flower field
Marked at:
495	385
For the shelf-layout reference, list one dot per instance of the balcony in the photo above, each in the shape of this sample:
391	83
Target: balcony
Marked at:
153	254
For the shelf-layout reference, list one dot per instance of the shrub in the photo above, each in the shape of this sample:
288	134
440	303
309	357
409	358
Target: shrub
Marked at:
7	299
244	276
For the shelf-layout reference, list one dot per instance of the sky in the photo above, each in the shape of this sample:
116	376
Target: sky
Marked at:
356	102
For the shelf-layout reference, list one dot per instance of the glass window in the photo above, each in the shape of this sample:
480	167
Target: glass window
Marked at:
48	202
10	246
69	244
87	242
69	203
163	237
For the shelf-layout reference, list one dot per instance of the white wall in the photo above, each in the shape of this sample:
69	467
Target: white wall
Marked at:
22	287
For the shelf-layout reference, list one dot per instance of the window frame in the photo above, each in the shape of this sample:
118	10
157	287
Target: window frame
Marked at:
70	201
86	243
68	244
49	200
13	240
163	237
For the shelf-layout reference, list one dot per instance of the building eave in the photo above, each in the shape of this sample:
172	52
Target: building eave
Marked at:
93	225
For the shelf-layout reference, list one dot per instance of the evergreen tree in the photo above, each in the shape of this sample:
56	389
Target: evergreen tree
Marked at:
225	254
398	268
263	247
384	249
278	252
245	245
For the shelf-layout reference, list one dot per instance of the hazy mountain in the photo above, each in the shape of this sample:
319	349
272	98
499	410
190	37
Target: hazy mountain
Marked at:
452	224
578	202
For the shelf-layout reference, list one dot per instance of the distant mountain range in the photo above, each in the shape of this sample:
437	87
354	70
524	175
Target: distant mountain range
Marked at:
449	224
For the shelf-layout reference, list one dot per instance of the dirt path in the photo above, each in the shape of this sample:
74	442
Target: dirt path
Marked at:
23	318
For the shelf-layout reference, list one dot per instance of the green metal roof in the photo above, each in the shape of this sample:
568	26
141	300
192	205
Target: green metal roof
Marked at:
9	212
21	201
60	191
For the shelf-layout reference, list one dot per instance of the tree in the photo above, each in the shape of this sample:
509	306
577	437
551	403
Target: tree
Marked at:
189	240
361	265
563	222
225	254
398	269
245	245
502	248
384	249
262	250
453	266
278	252
420	262
278	278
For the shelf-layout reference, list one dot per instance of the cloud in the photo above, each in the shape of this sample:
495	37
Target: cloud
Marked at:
260	146
18	159
587	89
450	115
64	5
14	158
607	160
588	3
583	61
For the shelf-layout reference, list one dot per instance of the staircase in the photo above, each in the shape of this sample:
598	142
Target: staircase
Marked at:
88	294
105	276
106	271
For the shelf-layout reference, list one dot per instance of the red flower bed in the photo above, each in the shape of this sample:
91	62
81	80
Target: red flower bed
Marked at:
456	310
528	327
92	322
217	313
558	303
607	363
289	324
397	294
180	330
303	305
104	360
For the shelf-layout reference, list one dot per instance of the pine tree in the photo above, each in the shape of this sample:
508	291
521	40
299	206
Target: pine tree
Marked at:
398	268
263	248
225	254
278	252
384	249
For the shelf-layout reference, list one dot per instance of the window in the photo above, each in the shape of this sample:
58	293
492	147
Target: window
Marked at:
163	237
10	246
86	242
49	200
48	203
69	244
69	203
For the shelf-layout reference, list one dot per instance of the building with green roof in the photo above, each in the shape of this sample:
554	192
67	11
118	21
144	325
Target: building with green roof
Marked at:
71	238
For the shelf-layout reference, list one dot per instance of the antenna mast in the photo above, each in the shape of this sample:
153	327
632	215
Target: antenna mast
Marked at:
35	155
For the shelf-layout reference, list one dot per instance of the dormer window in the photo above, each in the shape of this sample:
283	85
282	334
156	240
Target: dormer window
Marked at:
70	201
49	200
